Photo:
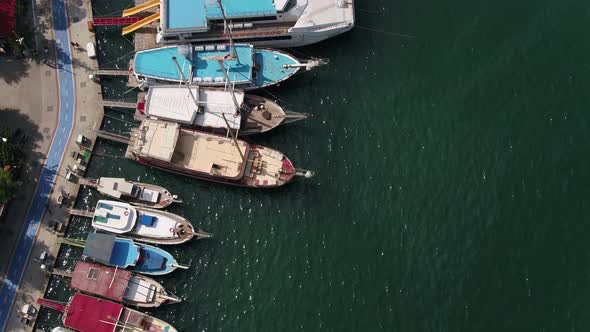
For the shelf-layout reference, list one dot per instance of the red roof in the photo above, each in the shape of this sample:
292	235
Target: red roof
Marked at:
100	280
87	313
7	18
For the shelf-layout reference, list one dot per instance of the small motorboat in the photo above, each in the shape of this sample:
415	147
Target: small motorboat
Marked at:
142	224
124	253
137	193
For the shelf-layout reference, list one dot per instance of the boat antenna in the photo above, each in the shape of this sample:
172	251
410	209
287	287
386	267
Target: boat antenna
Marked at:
186	83
228	29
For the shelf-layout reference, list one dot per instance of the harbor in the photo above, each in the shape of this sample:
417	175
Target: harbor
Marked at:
126	230
447	146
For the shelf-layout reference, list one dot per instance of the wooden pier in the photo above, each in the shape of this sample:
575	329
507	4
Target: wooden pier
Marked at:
62	273
112	137
81	213
90	183
116	103
110	72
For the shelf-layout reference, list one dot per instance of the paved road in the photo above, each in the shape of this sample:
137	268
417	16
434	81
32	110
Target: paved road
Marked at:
51	167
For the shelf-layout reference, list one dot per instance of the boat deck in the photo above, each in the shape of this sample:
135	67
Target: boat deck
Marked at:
139	290
209	154
202	67
264	166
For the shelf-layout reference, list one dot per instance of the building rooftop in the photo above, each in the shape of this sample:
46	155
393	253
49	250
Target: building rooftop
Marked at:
7	17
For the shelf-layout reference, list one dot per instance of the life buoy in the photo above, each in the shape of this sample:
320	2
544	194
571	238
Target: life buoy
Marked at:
126	213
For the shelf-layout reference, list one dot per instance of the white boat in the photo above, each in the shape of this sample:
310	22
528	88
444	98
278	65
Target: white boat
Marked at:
142	224
214	109
272	23
136	193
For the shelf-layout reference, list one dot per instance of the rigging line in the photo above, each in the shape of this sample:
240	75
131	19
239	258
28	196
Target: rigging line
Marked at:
385	32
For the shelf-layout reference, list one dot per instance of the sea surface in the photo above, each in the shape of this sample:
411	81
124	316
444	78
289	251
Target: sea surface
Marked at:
451	145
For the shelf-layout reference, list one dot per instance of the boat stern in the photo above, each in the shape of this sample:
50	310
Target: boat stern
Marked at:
323	19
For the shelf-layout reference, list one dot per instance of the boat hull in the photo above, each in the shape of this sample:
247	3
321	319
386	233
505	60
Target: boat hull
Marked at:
154	261
186	172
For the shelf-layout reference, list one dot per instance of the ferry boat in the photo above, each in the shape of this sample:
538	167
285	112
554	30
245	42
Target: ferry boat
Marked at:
214	109
206	156
86	313
273	23
124	253
241	66
143	225
120	286
137	193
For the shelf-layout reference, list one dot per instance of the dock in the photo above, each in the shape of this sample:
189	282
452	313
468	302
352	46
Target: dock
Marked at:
110	72
62	273
116	103
81	213
112	137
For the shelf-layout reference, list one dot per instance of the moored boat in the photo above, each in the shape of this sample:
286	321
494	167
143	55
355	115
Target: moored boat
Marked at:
241	65
185	151
278	23
137	193
119	285
253	114
86	313
142	224
124	253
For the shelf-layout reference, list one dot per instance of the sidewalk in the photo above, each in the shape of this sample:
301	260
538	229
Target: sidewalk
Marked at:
88	117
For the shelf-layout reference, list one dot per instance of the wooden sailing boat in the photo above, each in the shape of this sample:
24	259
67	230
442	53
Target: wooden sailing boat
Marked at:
85	313
119	285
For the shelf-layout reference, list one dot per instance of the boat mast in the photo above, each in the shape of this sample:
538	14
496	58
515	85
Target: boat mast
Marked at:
227	28
233	136
185	82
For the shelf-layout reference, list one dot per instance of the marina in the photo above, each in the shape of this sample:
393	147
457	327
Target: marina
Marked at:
114	261
448	143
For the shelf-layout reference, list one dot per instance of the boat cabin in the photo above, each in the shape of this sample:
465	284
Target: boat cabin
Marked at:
117	217
110	250
176	104
192	150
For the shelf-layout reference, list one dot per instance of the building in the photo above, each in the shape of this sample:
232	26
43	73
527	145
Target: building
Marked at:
7	18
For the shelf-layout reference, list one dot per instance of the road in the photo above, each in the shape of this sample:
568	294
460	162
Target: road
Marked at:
55	156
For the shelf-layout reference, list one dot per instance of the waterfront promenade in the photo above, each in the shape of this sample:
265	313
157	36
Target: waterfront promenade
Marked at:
78	113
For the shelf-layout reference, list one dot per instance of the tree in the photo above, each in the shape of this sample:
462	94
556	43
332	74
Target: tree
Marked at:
7	185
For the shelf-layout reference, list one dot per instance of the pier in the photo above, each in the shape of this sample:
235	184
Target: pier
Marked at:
116	103
110	72
81	213
112	137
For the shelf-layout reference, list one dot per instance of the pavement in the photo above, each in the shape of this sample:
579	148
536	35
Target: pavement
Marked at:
60	84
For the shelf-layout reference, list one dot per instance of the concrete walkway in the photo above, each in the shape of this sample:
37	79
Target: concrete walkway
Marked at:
57	149
78	114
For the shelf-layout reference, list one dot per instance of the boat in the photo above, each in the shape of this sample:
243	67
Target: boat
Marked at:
123	253
190	152
278	23
86	313
119	285
241	66
137	193
142	224
214	109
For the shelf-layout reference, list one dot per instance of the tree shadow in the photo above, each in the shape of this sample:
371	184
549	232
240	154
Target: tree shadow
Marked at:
12	69
27	137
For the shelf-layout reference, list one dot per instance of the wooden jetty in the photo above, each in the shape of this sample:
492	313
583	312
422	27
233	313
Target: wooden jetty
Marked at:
112	136
116	103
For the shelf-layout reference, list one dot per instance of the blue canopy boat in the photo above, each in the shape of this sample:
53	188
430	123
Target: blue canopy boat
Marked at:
124	253
243	65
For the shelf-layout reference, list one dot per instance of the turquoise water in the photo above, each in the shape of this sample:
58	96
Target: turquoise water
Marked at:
451	189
